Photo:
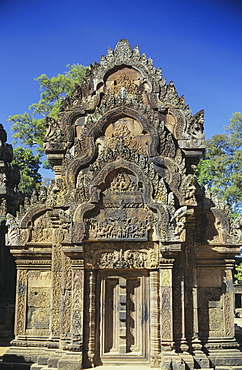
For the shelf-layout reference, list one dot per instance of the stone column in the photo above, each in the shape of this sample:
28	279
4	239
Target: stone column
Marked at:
166	309
196	343
179	305
154	318
228	300
200	358
90	325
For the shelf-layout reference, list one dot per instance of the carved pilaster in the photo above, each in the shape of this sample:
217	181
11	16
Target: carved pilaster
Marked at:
179	305
228	300
56	291
77	304
166	304
66	300
191	294
89	345
21	299
154	318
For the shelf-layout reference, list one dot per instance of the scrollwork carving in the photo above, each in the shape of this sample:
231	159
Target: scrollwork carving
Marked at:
123	258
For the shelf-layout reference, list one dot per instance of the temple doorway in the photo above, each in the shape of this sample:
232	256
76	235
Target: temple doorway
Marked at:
123	314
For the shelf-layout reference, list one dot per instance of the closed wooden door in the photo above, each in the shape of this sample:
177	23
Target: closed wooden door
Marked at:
123	315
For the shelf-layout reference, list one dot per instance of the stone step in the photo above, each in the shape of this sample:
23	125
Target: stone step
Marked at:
41	367
123	367
14	366
135	364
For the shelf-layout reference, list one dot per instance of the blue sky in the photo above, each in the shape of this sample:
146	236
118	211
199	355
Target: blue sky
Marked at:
197	44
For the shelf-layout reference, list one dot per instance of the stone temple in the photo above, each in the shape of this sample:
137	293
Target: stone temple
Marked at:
125	259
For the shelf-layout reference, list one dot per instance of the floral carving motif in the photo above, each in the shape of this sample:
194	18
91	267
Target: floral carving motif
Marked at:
77	305
130	259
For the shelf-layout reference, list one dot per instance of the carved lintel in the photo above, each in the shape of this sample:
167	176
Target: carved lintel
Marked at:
122	259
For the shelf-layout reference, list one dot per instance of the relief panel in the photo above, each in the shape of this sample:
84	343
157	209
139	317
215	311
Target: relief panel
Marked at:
109	256
131	132
38	300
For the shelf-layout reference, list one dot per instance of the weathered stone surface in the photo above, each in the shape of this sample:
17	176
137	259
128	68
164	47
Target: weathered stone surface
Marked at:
125	258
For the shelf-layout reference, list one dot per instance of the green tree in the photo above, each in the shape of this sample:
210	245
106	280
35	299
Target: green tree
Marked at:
29	165
238	271
221	166
29	128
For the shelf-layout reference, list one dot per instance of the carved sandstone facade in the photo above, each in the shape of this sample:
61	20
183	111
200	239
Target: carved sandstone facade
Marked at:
125	258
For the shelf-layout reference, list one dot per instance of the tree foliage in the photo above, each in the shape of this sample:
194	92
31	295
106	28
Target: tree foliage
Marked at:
29	165
29	129
238	272
221	166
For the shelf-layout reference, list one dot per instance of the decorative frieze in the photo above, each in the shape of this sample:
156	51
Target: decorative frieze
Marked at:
122	258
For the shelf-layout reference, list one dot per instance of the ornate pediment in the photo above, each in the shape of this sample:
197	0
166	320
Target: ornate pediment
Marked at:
124	85
124	149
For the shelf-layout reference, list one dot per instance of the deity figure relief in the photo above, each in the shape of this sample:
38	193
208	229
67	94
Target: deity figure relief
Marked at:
12	237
